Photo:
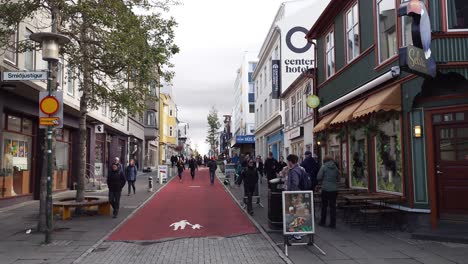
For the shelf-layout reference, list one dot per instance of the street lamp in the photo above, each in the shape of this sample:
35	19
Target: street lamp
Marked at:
50	44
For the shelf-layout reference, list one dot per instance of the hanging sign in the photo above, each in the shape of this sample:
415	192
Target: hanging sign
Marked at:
313	101
276	79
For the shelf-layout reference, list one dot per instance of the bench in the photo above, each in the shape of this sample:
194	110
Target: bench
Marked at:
63	206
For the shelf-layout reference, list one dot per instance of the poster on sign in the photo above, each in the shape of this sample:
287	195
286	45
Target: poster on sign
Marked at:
298	212
162	173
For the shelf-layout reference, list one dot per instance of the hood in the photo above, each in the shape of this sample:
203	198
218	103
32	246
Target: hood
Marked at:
330	165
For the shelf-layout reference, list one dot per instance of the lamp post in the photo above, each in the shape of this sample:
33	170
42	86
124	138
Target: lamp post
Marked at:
50	44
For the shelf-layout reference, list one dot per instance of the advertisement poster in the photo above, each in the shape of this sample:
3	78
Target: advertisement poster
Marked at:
298	212
162	171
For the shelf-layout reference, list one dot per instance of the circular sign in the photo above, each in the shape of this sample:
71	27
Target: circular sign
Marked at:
49	105
313	101
289	41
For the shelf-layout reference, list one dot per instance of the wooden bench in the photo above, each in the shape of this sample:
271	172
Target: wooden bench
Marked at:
63	206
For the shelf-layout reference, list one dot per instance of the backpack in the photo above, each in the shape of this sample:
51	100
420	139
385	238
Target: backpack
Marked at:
305	181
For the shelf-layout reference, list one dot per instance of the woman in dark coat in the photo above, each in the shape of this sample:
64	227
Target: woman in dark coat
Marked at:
180	168
115	183
250	178
131	173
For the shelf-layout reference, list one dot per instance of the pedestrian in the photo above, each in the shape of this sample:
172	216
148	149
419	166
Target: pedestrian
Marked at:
192	163
311	167
117	162
180	168
213	167
281	164
131	174
115	183
173	161
271	168
329	175
235	159
294	178
260	168
250	178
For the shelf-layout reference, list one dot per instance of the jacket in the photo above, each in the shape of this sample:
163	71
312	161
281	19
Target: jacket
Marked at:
294	177
249	176
260	167
281	166
271	167
330	176
212	165
131	172
311	166
116	181
192	164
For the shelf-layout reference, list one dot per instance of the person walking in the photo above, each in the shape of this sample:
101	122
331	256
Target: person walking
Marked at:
270	168
192	166
115	183
131	174
212	167
329	175
294	178
250	178
281	164
180	168
311	167
260	167
117	162
173	161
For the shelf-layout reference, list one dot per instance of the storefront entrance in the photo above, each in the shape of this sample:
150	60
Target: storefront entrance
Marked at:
451	151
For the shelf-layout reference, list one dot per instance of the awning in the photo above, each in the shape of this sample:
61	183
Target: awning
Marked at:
386	100
346	114
323	124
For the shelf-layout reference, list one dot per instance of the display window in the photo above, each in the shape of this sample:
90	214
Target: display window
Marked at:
358	157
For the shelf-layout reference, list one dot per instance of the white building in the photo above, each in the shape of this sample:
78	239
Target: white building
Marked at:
244	105
284	55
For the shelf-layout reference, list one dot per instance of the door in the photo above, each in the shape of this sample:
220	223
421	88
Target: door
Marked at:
451	150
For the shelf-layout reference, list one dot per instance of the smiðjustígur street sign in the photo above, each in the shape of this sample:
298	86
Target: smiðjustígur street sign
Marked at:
24	76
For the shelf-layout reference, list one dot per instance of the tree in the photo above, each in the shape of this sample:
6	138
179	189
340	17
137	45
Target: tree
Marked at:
116	51
213	127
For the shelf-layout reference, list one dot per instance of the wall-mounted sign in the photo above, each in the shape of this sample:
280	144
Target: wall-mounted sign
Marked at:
296	132
24	76
51	109
412	60
276	79
99	128
245	139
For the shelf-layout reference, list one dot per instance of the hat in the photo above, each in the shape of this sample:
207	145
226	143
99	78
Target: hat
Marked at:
308	153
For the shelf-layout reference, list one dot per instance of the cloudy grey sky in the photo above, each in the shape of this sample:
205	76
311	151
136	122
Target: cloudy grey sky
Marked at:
212	36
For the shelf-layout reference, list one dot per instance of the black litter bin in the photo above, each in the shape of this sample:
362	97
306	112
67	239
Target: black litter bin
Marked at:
275	207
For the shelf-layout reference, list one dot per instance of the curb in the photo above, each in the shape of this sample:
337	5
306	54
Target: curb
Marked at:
259	227
93	247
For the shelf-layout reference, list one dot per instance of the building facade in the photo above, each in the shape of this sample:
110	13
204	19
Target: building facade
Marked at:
392	131
168	128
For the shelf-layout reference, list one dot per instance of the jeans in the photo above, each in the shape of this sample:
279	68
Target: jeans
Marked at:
180	174
131	184
212	176
328	200
192	172
248	192
114	200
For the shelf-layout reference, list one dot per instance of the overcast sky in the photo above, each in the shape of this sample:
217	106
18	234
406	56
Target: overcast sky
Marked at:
212	36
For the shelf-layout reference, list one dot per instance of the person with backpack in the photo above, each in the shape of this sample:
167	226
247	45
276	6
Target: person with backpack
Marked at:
250	178
311	167
297	179
329	175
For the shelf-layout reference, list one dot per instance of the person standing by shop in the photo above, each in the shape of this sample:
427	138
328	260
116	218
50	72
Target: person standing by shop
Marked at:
311	167
271	168
250	178
115	183
131	173
329	176
281	164
180	168
192	166
260	168
212	167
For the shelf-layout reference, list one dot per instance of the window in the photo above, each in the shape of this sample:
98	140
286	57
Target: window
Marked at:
352	32
152	88
171	112
28	55
265	110
60	74
171	131
286	112
308	92
104	109
257	121
265	75
358	157
270	105
386	28
261	78
293	109
10	52
251	108
300	106
261	114
252	66
151	120
256	90
251	87
457	15
71	81
276	53
330	53
406	21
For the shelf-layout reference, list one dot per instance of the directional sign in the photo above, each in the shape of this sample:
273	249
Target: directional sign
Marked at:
24	76
51	109
49	121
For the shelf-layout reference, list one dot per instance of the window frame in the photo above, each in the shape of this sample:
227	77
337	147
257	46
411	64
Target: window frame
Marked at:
33	52
446	22
332	49
14	52
377	32
71	80
346	31
171	131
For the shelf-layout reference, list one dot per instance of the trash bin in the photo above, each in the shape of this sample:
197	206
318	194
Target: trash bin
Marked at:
275	207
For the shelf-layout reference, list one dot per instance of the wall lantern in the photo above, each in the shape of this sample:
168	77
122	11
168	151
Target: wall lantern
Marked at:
318	143
417	131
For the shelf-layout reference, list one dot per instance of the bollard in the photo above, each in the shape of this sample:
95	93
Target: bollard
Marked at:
150	184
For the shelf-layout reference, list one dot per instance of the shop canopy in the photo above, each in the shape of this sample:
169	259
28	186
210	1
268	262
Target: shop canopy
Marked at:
323	124
346	114
385	100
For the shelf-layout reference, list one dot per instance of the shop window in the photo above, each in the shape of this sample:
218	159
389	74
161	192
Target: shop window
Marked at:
358	156
386	28
388	156
457	15
14	123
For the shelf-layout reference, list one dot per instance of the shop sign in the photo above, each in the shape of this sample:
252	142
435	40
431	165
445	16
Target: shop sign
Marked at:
298	212
24	76
51	109
412	60
276	79
99	129
296	132
250	139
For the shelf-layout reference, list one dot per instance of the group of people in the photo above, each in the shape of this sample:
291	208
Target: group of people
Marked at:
116	180
306	175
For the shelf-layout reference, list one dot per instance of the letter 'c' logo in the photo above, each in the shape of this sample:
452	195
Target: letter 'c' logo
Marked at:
289	42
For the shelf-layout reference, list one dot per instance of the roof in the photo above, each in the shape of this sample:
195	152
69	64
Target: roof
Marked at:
327	16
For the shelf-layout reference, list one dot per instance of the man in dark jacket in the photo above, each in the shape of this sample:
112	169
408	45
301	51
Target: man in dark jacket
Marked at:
192	165
271	166
311	167
213	167
131	173
115	183
250	178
